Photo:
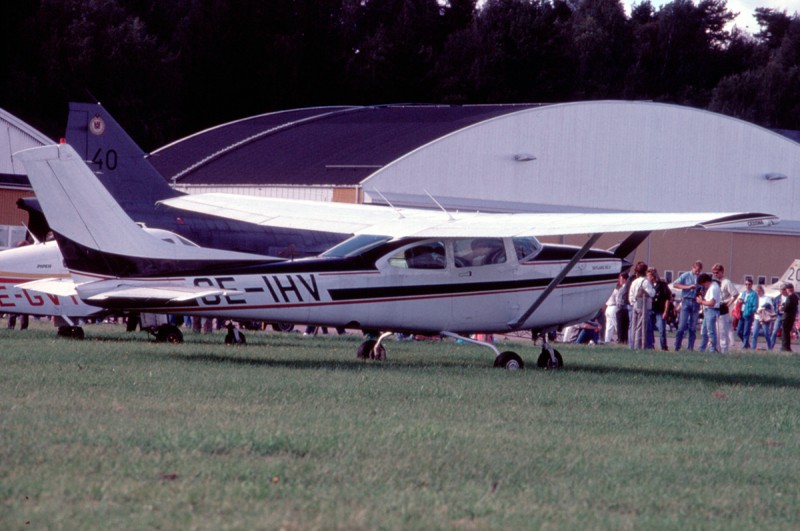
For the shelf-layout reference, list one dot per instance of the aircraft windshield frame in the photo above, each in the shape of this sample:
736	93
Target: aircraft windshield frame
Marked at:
356	245
526	247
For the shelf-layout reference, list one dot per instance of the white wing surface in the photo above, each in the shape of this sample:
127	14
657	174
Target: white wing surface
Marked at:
373	219
156	293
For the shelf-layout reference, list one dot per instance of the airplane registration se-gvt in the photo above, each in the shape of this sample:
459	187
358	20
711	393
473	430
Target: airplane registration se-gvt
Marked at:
21	269
406	270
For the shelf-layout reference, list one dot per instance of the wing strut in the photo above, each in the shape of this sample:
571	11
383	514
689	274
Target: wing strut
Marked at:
556	281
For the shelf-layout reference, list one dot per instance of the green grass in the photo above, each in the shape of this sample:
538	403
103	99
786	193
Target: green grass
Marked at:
295	433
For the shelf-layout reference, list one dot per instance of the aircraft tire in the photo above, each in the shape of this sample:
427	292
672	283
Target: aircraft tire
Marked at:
283	327
230	339
365	351
169	334
509	360
544	361
72	332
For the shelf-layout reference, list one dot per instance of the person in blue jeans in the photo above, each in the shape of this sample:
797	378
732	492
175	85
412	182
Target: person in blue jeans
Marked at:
749	306
659	314
687	321
777	323
763	321
710	302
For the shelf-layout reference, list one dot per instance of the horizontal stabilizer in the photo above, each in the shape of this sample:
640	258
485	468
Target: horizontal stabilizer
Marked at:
165	294
62	287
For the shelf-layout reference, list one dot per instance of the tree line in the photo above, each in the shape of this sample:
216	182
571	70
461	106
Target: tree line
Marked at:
167	68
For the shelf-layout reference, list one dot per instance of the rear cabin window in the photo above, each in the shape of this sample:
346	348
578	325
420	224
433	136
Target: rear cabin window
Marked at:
429	255
476	252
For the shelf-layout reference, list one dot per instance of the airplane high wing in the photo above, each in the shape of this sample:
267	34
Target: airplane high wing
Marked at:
402	271
408	223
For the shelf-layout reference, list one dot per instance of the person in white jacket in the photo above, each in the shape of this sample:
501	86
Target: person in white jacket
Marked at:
729	294
641	299
611	313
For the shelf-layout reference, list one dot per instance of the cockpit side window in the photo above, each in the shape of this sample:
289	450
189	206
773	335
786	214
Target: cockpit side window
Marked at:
526	248
428	255
475	252
356	245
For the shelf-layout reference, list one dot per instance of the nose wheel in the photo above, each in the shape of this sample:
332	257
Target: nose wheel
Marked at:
550	361
371	350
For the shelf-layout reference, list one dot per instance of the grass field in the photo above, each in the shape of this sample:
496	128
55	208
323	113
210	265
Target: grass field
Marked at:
116	432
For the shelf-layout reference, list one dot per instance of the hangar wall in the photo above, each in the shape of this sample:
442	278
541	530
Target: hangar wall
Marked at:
617	156
603	156
15	135
311	193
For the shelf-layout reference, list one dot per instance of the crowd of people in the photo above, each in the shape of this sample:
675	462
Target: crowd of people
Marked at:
643	304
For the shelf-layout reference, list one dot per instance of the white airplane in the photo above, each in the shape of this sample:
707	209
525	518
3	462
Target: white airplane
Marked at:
42	261
402	271
792	274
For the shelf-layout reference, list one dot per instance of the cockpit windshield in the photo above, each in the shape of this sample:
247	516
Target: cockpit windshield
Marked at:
355	245
526	247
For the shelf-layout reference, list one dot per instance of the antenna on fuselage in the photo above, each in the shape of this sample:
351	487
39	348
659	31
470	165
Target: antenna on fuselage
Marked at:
439	205
399	213
31	234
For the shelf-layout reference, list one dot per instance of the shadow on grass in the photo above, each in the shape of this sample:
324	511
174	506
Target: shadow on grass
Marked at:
709	377
348	365
715	378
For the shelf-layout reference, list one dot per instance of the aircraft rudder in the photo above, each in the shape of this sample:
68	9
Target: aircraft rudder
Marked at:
92	131
119	162
74	202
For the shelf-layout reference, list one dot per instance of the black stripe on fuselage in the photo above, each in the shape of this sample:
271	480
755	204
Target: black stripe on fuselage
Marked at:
461	288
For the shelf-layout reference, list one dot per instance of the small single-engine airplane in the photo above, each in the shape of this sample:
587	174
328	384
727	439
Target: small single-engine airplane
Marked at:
43	261
405	270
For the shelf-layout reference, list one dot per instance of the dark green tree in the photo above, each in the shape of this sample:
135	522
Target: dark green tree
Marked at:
513	51
81	48
766	94
680	51
602	42
393	45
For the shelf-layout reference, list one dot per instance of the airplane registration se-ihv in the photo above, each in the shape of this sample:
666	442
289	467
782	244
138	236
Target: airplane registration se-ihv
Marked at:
403	270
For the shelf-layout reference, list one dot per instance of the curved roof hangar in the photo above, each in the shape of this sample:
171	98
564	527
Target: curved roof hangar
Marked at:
586	156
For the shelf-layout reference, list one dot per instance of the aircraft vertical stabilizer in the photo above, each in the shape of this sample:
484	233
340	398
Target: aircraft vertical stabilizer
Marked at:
118	161
790	275
83	212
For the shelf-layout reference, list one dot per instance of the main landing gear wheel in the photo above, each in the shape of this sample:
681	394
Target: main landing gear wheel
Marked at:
509	360
367	351
169	334
283	327
546	363
72	332
235	337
